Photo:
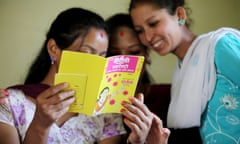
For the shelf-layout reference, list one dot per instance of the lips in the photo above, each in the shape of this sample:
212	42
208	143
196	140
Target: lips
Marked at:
157	44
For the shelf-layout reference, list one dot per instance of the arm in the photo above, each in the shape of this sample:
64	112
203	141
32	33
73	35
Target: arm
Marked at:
119	139
8	134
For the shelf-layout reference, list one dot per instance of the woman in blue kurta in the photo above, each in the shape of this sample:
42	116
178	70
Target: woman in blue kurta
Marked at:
205	88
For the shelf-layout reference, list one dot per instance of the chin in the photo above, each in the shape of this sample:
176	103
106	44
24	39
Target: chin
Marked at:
162	52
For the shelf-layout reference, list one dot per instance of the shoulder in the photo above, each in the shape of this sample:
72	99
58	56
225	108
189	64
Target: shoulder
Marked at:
32	90
228	45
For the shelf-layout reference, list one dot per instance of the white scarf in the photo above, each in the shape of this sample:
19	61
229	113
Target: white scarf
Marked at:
194	83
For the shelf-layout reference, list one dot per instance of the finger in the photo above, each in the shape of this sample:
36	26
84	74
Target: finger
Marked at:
140	105
64	104
3	101
157	121
53	90
165	135
137	118
133	111
166	132
140	97
132	125
53	112
58	98
4	93
60	113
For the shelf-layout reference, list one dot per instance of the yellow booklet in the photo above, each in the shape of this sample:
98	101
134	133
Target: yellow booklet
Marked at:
101	84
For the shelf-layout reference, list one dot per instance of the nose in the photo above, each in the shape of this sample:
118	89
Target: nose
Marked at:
149	35
123	53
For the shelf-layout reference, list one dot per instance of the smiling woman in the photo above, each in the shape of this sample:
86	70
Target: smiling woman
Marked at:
202	75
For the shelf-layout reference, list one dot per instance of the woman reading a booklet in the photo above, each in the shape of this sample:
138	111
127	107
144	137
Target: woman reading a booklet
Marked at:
37	112
123	40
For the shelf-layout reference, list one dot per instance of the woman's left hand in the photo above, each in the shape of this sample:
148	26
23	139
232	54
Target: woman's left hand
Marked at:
138	118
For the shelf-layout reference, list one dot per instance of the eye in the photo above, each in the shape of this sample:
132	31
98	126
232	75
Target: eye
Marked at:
136	49
137	52
139	31
87	50
153	24
103	54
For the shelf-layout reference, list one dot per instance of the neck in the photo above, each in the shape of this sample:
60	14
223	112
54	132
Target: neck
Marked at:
184	45
49	78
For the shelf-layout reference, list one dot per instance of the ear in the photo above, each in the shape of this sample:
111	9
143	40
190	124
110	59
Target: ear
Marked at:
181	13
53	50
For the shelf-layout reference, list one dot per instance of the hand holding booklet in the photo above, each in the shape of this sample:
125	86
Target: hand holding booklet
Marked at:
100	83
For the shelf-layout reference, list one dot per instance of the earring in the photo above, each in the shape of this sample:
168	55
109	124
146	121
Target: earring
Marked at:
52	59
181	22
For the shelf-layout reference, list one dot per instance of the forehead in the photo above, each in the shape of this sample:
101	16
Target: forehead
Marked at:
124	32
96	34
97	38
143	12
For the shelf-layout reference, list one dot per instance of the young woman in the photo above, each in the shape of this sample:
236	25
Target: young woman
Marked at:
205	89
123	40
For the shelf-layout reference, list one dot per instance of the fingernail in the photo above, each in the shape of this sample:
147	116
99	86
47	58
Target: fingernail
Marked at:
6	93
164	129
124	103
122	110
131	99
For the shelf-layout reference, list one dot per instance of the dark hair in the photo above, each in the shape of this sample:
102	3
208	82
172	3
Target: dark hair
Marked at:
68	25
119	20
170	5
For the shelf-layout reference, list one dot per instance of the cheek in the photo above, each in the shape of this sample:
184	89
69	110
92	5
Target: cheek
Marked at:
143	40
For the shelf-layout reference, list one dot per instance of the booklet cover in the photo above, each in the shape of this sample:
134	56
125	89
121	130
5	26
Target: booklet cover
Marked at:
100	83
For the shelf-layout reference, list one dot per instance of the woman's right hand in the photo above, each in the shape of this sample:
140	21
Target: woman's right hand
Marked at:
3	96
52	104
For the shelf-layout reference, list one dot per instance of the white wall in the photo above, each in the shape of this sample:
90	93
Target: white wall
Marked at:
24	23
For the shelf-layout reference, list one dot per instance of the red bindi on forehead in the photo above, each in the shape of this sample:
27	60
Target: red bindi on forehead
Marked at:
121	33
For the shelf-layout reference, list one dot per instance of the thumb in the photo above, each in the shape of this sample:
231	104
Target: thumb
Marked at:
166	134
157	121
140	97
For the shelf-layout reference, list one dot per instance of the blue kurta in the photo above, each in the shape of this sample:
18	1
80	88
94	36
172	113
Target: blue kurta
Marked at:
221	119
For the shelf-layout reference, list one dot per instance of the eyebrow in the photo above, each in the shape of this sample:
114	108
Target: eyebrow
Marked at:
90	47
149	18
